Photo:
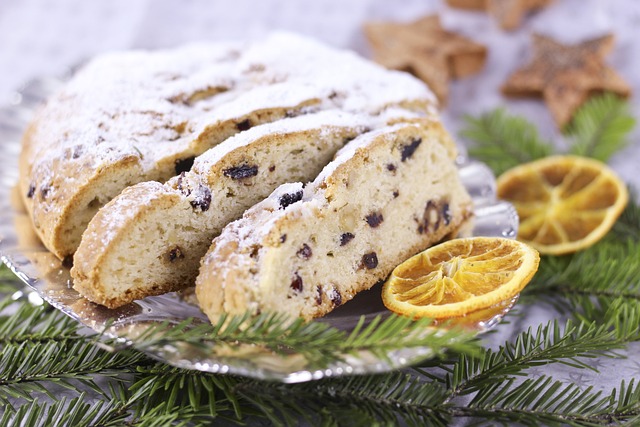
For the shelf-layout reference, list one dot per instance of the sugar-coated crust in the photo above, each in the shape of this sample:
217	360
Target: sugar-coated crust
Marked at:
135	116
338	240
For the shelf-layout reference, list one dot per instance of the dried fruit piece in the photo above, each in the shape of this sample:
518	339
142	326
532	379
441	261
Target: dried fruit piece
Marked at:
409	149
175	253
460	277
374	219
241	172
201	198
243	125
370	260
565	203
296	282
335	297
304	252
290	198
346	238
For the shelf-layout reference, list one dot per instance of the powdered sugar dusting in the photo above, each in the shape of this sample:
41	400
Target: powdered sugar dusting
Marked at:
319	120
148	110
348	151
124	208
144	99
258	220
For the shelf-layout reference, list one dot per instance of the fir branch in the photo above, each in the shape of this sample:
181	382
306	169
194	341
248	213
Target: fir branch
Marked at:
611	268
8	280
542	401
550	343
503	141
35	323
318	342
29	369
161	386
386	399
70	412
601	127
628	224
40	349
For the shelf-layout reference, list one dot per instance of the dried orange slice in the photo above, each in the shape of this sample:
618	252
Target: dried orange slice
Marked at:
460	277
565	203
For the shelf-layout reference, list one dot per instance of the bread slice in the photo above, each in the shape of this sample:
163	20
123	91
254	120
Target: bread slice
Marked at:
140	116
388	194
150	239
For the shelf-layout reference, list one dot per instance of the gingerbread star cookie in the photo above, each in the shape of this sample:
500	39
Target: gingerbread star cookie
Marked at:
426	50
508	13
566	75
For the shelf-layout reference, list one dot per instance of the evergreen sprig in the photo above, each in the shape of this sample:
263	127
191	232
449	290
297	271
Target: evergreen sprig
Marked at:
628	224
609	268
601	127
153	394
503	141
542	401
549	343
320	343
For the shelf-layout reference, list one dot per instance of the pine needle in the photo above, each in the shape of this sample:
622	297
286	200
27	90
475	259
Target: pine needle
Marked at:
503	141
609	268
628	224
318	342
550	343
601	127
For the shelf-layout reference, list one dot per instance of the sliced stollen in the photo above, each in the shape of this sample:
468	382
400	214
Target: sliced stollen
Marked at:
131	117
150	239
388	194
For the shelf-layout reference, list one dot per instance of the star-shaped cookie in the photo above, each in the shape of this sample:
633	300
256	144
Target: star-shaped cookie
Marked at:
508	13
566	75
426	50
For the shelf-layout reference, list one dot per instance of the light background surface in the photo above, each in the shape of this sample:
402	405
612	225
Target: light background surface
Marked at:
46	38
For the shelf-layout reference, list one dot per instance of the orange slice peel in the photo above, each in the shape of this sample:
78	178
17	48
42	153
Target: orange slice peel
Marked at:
460	277
565	203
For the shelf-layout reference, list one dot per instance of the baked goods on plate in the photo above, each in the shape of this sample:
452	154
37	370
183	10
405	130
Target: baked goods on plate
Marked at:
143	158
150	239
133	117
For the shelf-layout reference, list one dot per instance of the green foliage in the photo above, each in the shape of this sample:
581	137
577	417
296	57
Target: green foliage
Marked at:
601	127
142	392
549	343
598	283
318	342
503	141
628	225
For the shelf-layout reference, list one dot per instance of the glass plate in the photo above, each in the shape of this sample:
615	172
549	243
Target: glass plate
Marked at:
23	253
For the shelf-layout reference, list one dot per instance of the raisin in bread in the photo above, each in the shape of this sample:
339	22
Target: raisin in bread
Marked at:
388	194
142	116
150	239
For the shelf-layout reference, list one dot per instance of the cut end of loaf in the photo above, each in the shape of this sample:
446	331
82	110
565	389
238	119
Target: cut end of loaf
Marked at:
388	194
